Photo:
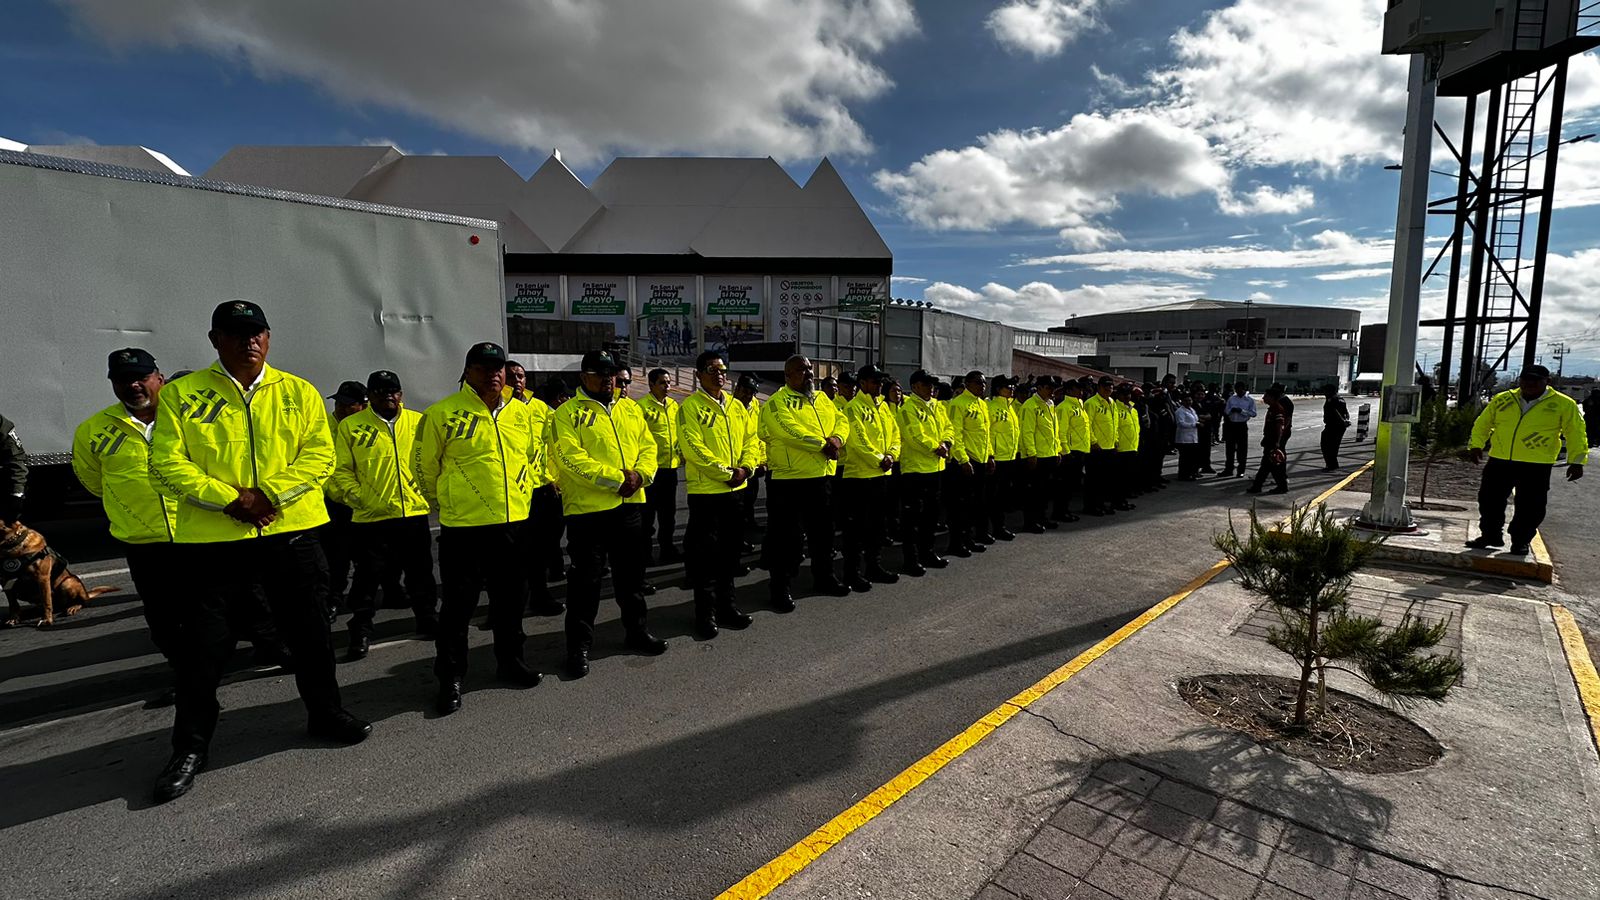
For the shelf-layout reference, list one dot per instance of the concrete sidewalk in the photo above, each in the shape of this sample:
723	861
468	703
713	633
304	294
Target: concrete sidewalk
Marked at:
1112	786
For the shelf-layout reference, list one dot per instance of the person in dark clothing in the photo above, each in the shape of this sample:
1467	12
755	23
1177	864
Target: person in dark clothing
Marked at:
13	472
1335	421
1238	410
1274	437
1591	416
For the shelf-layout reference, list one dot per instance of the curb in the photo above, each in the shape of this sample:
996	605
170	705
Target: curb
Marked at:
786	865
1581	666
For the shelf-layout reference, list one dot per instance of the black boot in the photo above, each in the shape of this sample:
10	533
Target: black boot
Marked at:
779	597
824	582
339	727
449	699
729	616
360	643
854	581
877	574
515	671
577	664
912	566
644	643
178	777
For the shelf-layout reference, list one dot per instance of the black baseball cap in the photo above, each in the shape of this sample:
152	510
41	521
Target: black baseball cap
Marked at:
129	363
1535	372
487	353
239	317
847	377
921	376
350	392
383	380
598	362
870	372
999	382
1107	379
748	382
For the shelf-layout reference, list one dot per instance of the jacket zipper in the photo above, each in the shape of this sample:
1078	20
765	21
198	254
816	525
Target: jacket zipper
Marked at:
399	474
164	520
250	432
505	474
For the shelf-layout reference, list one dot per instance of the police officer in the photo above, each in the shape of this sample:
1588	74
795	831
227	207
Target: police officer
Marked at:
1073	426
13	472
717	437
517	381
374	475
661	513
540	536
1105	420
869	459
1040	446
476	458
1523	429
244	449
111	457
745	392
924	447
1127	460
972	454
1005	436
605	458
349	399
806	438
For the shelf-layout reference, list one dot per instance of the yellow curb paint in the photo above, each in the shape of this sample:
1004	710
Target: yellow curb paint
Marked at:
1582	666
766	879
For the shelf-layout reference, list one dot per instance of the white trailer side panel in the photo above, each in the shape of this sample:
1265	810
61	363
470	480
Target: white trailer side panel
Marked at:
90	263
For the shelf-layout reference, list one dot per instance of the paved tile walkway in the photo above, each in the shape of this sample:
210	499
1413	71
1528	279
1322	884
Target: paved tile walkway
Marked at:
1130	834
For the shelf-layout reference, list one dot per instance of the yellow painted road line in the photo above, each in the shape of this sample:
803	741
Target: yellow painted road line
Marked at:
766	879
1582	666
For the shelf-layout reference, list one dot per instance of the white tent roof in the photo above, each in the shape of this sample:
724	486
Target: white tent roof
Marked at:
127	157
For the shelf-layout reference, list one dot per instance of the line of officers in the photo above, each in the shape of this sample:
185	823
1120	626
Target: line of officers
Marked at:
219	485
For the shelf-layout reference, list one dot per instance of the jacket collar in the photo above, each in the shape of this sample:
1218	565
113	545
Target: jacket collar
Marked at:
269	375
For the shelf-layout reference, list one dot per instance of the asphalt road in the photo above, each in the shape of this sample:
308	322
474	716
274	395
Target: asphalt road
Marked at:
665	777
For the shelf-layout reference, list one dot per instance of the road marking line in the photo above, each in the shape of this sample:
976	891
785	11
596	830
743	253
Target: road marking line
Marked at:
766	879
121	571
1581	666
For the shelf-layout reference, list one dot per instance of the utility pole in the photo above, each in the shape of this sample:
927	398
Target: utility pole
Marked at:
1558	352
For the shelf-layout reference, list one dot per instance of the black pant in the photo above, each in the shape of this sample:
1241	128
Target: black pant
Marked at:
1278	470
1530	480
796	506
714	545
1129	475
919	511
156	570
968	516
1040	471
592	539
865	501
384	552
542	538
1332	437
1202	450
476	559
747	499
1188	460
999	490
336	547
1099	482
1068	481
661	509
293	575
1237	437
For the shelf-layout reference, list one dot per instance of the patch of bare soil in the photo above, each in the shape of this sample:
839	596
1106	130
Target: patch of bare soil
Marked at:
1449	479
1351	734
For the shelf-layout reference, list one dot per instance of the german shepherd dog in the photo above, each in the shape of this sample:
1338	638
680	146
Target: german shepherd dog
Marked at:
31	571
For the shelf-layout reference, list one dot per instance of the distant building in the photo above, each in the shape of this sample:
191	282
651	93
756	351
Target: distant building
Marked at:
1053	344
672	255
1305	347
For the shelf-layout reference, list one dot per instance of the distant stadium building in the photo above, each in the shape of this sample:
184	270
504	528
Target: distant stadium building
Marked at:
669	255
1304	347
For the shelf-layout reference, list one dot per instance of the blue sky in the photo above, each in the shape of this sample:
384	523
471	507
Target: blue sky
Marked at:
1026	160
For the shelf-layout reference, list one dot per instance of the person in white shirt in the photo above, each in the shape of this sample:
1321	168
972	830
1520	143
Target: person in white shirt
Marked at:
1236	416
1187	438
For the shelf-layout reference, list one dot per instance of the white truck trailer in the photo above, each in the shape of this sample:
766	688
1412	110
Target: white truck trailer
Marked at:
94	258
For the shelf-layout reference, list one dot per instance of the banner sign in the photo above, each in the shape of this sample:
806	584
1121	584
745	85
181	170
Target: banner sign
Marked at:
863	294
805	293
531	296
733	298
597	296
665	297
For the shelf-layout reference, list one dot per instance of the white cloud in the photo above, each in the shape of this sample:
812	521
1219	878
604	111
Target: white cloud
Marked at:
1260	296
1066	178
1348	274
1258	282
1043	27
1041	305
907	279
591	77
1267	200
1578	174
1326	249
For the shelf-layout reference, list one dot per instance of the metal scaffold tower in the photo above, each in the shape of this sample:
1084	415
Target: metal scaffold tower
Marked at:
1507	186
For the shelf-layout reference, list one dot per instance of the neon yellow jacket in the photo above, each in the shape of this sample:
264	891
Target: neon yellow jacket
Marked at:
716	437
208	442
112	459
661	416
374	466
1073	424
476	468
1040	435
1127	428
1104	422
594	444
942	409
1005	428
763	448
972	440
797	429
1534	436
841	404
921	433
873	435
